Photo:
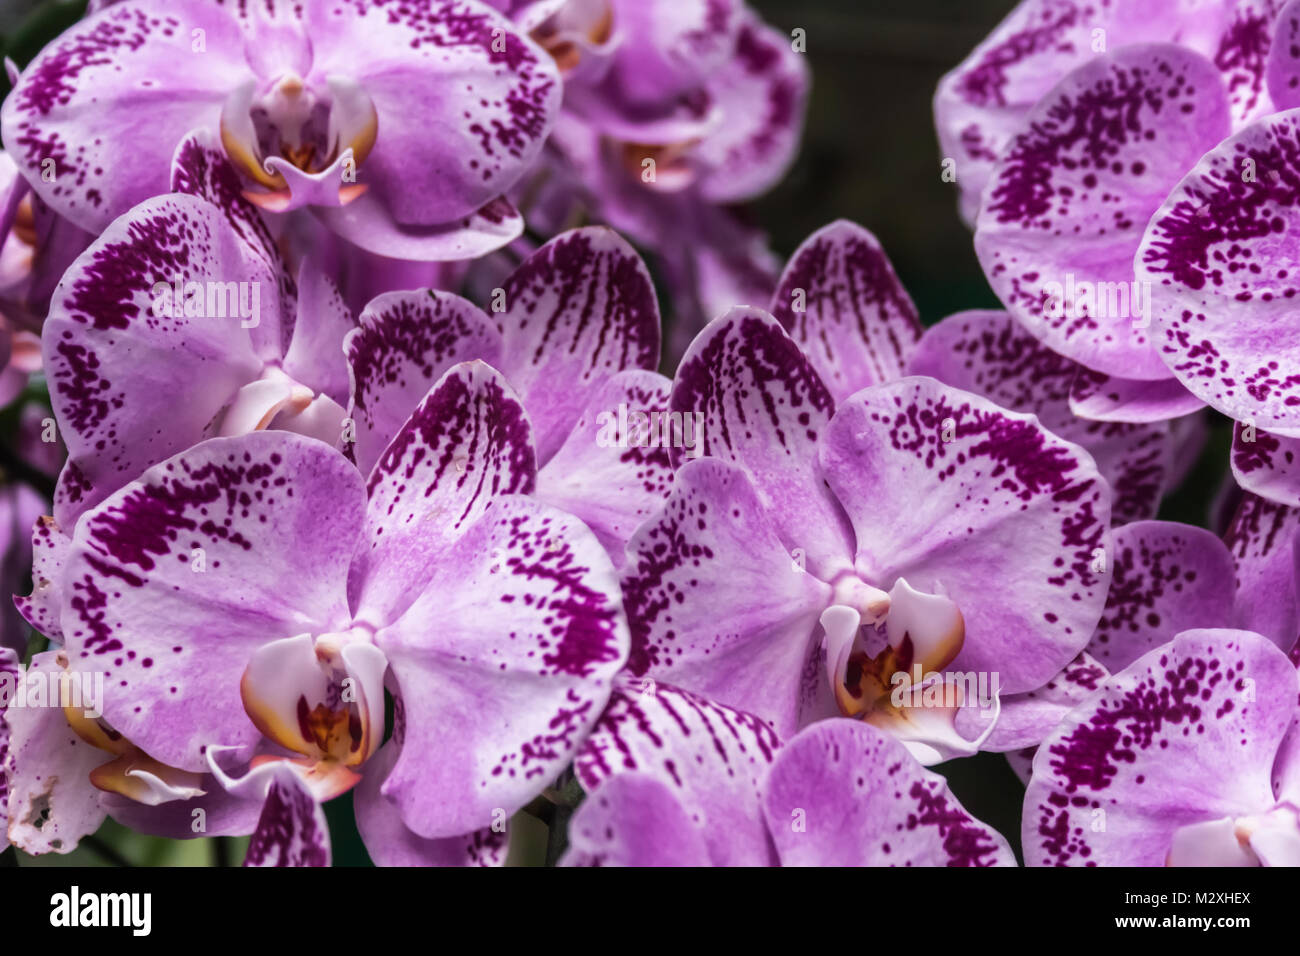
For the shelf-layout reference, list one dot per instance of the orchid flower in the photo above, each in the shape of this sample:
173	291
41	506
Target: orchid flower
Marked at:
984	102
396	126
493	620
1122	780
839	793
672	111
818	557
181	322
1124	246
841	301
575	331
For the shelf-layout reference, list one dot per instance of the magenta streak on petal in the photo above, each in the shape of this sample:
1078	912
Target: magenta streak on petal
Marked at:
288	832
84	390
1148	577
1024	462
784	377
853	272
1249	457
1101	120
965	843
1233	211
149	520
1242	56
450	419
653	461
985	83
626	726
204	171
410	337
577	276
782	98
582	621
104	296
545	750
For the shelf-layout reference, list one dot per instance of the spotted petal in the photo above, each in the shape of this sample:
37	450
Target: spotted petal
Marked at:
1263	542
1219	258
51	802
1025	719
609	478
1127	768
1066	208
761	91
981	104
579	310
406	341
467	443
118	354
1266	465
104	106
1284	59
1168	578
988	353
717	602
503	664
843	793
765	408
464	100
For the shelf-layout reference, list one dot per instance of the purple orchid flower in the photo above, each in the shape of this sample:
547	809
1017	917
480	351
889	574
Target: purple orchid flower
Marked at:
983	103
1065	210
1102	238
187	297
1122	780
396	126
575	331
672	112
839	793
876	535
842	303
413	579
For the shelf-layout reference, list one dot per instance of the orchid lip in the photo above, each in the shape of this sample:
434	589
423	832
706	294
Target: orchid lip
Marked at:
922	631
321	697
295	126
564	36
